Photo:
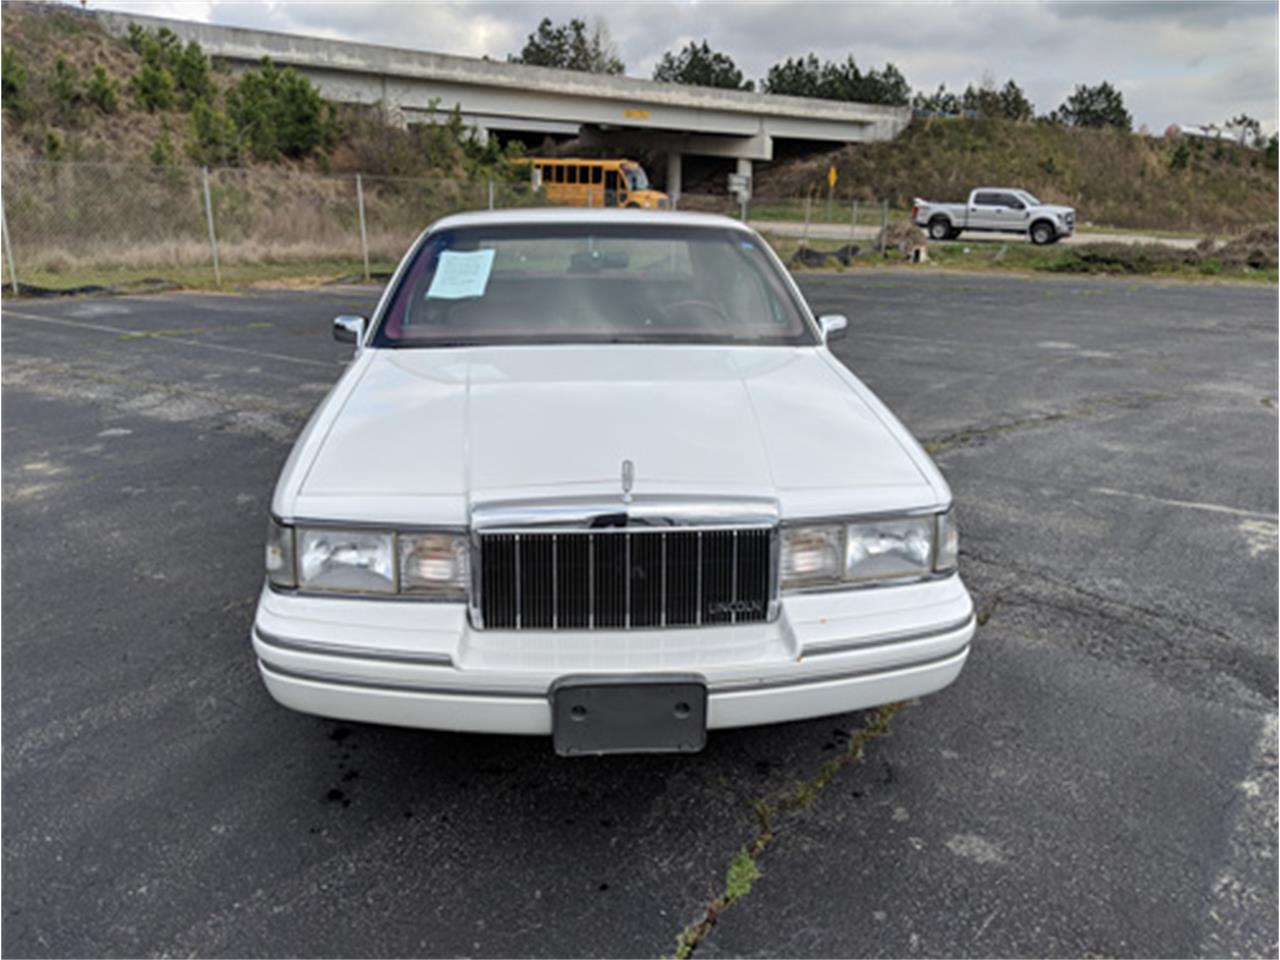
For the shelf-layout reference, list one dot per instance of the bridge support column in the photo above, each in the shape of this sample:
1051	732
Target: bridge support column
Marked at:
675	166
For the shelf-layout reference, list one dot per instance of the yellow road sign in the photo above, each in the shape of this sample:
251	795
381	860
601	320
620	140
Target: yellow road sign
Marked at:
831	178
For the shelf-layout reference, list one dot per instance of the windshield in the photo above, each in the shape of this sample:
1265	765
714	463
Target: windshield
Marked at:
1028	199
592	283
636	178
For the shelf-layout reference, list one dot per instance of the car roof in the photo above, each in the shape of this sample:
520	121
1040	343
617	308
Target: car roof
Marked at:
570	215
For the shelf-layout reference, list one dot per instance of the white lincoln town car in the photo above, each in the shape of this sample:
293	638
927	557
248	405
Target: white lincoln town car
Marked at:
596	475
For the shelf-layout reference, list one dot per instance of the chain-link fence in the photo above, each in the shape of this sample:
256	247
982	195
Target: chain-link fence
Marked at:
71	225
75	224
61	218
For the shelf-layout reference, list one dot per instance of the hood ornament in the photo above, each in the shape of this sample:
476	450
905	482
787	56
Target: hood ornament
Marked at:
628	479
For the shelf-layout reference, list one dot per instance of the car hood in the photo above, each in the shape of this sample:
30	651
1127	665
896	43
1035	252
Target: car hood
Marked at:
1054	208
515	423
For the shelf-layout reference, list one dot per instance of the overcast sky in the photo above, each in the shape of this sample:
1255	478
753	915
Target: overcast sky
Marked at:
1175	62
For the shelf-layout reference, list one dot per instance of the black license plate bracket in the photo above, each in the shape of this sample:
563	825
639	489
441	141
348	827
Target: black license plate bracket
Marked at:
660	713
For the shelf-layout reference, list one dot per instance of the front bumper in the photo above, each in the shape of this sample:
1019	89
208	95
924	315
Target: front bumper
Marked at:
421	665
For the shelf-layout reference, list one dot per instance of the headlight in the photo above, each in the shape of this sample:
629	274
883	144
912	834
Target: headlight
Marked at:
435	564
331	560
892	548
346	561
889	549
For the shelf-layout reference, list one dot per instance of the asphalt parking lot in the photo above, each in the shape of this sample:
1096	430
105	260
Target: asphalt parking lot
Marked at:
1100	781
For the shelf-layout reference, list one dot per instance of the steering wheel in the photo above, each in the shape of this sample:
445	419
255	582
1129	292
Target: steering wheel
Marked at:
668	310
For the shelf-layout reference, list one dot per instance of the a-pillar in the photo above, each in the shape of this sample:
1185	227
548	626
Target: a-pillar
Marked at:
675	165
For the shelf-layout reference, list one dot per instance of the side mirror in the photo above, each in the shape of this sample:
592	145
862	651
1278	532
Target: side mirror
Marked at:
833	326
349	329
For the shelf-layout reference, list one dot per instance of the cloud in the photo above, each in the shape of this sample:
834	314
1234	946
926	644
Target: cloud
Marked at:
1189	12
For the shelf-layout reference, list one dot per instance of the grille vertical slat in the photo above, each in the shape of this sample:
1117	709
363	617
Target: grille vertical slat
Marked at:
697	607
663	601
717	576
536	559
572	566
646	581
610	574
620	579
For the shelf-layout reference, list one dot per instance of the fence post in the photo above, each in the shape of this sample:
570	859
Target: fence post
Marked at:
808	206
213	237
364	236
884	225
491	193
744	197
853	222
8	248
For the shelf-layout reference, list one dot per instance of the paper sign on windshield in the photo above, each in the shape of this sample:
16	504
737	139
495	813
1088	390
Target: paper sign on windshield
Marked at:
460	275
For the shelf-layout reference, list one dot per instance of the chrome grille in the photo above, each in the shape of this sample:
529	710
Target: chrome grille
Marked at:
621	579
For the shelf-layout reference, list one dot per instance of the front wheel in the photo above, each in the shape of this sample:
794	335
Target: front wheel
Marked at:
1043	233
939	229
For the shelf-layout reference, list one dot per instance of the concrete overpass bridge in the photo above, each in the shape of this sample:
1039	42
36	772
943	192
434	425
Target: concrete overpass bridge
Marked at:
505	98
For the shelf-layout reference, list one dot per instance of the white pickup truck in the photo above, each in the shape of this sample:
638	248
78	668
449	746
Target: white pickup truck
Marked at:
996	210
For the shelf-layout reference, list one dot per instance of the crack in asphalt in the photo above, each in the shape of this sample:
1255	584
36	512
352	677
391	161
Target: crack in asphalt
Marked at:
1170	626
968	435
1137	612
744	869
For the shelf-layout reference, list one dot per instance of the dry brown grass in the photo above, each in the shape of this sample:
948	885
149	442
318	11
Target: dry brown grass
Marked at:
66	218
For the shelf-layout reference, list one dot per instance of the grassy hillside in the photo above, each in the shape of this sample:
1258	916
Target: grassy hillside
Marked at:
37	123
1112	178
52	53
103	183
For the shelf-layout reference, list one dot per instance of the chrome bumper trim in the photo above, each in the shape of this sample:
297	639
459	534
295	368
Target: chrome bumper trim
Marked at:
887	639
338	680
808	681
354	653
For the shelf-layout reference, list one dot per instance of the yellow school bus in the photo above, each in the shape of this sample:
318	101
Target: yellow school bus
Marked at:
595	183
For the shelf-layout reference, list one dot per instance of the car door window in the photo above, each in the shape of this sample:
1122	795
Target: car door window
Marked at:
986	200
